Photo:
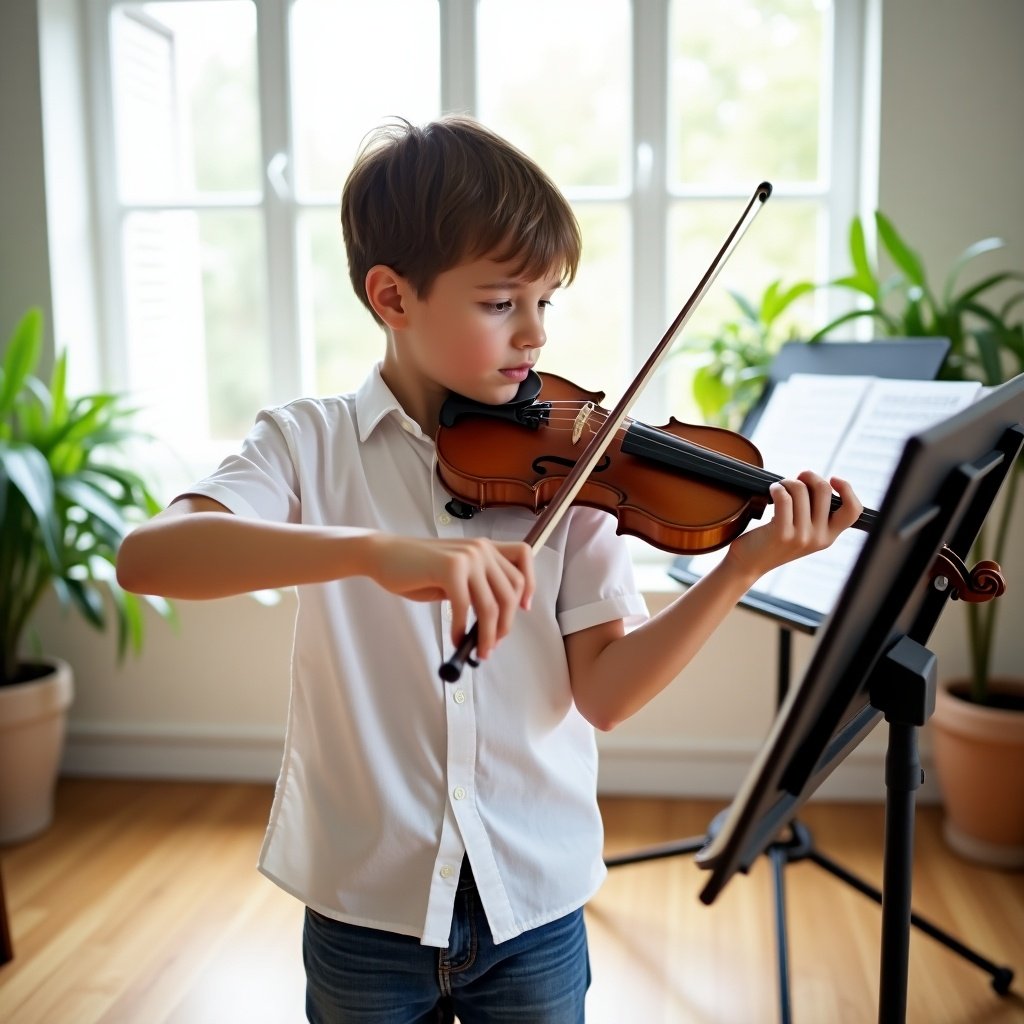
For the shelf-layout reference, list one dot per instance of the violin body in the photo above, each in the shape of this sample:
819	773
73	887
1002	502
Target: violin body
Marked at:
488	460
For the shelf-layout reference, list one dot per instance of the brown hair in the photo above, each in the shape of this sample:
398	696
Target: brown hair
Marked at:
421	200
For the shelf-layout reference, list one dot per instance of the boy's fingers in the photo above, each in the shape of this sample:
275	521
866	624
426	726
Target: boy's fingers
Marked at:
819	493
782	500
852	507
460	609
491	581
524	562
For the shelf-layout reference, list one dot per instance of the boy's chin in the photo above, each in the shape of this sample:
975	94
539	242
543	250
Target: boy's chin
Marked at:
490	394
504	393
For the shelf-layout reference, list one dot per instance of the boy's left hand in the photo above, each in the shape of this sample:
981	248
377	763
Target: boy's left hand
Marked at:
803	522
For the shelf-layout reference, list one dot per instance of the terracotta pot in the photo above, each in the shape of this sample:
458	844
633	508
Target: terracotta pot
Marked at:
979	761
32	722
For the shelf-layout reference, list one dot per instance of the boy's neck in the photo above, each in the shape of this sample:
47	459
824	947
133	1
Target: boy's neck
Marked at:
421	400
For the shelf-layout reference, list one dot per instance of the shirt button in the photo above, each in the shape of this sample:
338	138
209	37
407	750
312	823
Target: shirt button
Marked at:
459	696
447	871
459	793
448	610
444	519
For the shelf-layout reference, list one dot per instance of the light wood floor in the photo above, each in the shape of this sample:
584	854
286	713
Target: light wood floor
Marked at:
142	905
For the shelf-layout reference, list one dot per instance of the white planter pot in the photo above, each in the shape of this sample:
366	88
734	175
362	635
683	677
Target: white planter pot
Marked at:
32	722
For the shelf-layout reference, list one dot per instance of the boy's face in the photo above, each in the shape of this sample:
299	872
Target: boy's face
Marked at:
477	332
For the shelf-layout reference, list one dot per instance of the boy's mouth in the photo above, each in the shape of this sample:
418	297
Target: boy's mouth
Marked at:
516	373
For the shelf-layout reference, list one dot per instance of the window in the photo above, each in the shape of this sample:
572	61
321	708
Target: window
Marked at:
225	129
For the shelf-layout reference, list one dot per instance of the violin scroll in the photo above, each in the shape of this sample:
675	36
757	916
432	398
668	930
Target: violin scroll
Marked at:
982	583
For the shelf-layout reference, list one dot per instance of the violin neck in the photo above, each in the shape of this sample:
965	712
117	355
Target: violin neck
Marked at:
865	521
706	464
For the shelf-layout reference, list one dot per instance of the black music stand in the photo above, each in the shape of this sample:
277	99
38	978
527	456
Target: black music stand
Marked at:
899	359
871	661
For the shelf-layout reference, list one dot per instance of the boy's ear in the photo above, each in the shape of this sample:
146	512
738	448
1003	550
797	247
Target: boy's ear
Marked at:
385	290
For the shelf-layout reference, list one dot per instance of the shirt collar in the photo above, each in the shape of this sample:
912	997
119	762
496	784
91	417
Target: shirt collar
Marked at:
374	401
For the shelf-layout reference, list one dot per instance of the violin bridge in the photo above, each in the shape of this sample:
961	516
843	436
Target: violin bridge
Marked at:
581	420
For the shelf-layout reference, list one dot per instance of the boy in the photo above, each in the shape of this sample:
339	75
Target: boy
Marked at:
444	838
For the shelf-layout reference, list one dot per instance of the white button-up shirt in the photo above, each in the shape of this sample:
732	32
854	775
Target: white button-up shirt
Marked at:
390	776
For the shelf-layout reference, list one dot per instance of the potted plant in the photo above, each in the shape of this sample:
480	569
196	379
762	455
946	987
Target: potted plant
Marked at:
978	726
732	364
67	498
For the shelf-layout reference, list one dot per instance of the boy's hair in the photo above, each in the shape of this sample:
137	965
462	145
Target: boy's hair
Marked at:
422	200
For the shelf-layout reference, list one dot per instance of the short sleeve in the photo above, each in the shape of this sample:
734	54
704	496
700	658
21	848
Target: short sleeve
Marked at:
597	575
260	481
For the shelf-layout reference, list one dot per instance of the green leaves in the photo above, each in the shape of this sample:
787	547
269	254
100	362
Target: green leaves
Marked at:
986	344
732	365
775	301
20	359
902	255
27	471
67	498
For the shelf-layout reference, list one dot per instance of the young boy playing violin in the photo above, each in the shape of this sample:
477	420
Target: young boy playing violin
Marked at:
444	838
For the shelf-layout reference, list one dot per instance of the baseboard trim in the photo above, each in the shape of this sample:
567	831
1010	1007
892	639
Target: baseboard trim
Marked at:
628	766
186	751
716	770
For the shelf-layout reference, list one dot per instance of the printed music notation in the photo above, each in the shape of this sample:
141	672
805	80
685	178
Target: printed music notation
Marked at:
851	427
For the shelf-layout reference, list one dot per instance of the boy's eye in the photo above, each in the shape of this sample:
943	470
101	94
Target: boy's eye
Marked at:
506	305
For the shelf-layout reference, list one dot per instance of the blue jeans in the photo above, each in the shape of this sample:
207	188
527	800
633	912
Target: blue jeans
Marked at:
360	975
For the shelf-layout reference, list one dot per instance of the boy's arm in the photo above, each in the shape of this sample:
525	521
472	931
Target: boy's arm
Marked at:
614	673
196	549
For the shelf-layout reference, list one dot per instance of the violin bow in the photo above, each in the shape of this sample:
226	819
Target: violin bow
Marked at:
551	515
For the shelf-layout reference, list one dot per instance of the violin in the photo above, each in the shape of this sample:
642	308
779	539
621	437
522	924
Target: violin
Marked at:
681	487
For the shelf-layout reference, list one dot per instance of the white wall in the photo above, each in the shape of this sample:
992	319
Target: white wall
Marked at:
212	699
24	254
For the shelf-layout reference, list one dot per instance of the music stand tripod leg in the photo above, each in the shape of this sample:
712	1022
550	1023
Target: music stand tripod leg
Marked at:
779	858
677	848
1002	977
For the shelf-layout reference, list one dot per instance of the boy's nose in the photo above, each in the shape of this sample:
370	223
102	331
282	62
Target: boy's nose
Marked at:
531	334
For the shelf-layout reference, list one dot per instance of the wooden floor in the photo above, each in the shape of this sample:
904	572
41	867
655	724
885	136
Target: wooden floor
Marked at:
142	905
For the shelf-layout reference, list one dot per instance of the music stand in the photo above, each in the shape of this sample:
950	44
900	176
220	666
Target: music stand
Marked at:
893	358
900	359
871	661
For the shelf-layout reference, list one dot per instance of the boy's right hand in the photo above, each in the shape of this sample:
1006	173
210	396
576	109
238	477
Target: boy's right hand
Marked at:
493	578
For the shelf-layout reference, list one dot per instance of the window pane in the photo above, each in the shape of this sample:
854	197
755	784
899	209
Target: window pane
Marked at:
353	66
554	78
586	324
345	337
781	244
186	109
746	90
195	319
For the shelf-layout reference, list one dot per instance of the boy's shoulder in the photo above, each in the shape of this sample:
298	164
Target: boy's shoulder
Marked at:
316	405
310	427
313	412
352	414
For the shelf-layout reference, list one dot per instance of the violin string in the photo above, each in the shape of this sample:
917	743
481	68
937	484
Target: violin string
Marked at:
746	474
752	476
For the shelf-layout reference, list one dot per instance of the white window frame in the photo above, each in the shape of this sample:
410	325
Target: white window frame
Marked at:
647	194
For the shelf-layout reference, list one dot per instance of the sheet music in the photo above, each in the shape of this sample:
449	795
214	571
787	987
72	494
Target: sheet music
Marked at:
851	427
